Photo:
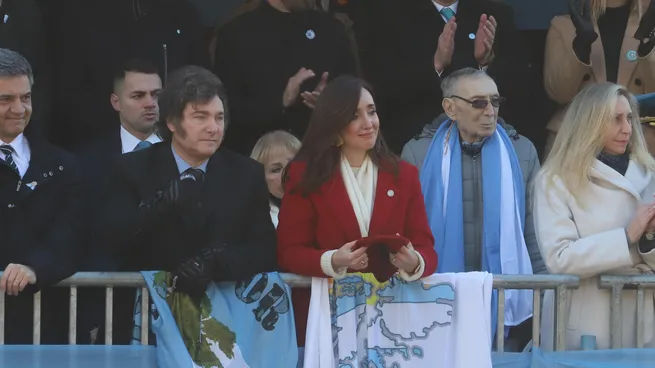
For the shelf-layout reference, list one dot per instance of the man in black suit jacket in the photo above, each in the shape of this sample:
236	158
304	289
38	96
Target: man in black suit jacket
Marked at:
40	211
185	206
412	39
135	98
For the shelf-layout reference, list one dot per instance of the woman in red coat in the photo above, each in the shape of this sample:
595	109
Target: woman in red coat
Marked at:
344	185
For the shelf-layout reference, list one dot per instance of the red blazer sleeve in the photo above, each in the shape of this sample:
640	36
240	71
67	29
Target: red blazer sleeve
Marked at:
296	232
417	228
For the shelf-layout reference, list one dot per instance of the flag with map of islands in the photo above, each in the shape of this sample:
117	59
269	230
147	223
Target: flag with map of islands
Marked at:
237	325
358	322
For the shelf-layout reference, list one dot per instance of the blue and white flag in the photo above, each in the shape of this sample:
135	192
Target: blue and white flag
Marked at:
442	321
244	324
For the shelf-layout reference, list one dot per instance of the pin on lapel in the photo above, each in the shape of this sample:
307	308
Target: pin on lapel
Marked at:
32	185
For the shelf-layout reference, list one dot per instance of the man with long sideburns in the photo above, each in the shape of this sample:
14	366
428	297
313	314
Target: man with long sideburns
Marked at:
479	168
186	205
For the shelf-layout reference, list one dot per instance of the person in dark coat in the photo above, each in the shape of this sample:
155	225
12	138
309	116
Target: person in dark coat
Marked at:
415	44
94	38
184	205
23	29
135	94
40	211
271	60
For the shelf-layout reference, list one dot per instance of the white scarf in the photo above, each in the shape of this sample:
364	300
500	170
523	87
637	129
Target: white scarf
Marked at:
361	191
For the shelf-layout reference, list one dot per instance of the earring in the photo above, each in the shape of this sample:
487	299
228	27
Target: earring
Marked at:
339	142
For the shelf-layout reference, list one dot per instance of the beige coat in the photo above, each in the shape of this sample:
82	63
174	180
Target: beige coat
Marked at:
565	75
590	241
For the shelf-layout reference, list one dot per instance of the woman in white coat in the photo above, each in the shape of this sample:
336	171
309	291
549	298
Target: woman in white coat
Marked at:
593	205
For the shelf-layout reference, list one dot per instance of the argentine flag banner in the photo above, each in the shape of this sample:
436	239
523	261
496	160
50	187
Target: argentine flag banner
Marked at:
247	324
441	321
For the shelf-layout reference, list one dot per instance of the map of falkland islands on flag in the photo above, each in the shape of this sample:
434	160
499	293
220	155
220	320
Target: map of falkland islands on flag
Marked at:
396	324
247	324
389	324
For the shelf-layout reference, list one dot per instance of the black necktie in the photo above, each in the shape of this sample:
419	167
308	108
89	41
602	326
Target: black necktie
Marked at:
9	159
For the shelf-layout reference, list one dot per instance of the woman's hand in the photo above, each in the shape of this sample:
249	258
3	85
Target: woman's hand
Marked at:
406	259
640	222
345	257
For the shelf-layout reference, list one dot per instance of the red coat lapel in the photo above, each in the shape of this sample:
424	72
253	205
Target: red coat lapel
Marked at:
386	195
336	197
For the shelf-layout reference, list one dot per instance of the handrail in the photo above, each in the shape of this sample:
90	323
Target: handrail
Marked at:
111	280
618	283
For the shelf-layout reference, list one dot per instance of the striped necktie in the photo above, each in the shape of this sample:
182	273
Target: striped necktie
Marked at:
447	13
9	159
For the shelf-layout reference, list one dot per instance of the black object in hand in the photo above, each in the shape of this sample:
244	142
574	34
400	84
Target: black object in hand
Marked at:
194	274
646	28
580	12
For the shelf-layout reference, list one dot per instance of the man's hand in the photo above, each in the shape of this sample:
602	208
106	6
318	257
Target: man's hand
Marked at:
293	86
15	278
484	40
446	46
310	98
194	274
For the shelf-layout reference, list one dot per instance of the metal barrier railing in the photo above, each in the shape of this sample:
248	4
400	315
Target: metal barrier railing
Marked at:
617	284
109	280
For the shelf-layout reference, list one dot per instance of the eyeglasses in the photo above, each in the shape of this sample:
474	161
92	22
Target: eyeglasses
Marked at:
482	103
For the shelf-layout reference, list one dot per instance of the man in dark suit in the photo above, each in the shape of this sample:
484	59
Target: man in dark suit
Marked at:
40	210
414	44
185	206
134	97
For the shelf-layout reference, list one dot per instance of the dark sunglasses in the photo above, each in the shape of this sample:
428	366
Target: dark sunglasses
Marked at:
481	104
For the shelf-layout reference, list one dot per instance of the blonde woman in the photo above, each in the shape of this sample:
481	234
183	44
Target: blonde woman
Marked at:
593	205
274	150
596	43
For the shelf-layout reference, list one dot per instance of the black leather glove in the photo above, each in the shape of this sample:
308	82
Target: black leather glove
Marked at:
194	274
181	192
585	34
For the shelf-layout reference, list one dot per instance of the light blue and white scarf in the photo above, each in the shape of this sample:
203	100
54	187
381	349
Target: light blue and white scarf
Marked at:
503	195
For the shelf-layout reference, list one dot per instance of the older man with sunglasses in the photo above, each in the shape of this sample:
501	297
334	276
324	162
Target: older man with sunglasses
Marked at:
468	157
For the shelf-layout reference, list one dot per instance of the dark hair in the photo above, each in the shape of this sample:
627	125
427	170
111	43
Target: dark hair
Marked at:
333	112
188	84
133	66
13	64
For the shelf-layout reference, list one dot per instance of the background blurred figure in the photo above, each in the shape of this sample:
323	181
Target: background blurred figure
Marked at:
274	61
274	150
23	29
416	43
94	38
596	43
599	161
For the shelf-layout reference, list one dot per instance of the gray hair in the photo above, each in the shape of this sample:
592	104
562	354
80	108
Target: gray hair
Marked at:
451	82
13	64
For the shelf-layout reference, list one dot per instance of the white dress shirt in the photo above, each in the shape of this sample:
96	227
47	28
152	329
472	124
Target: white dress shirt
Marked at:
129	141
22	153
453	7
